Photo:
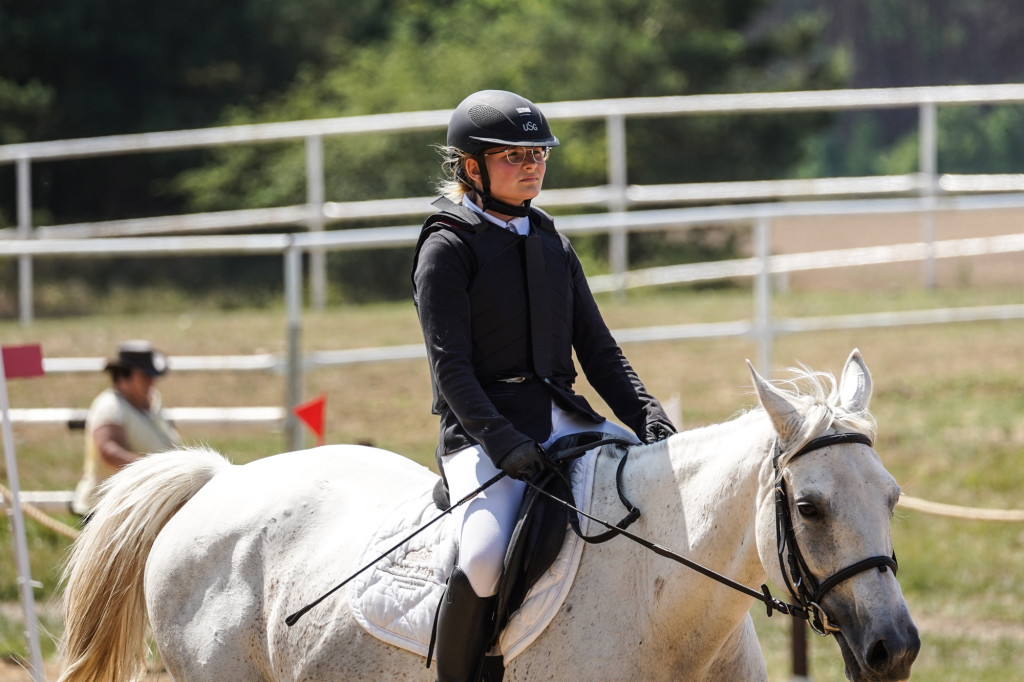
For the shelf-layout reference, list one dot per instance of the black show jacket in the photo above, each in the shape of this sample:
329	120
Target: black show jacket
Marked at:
470	290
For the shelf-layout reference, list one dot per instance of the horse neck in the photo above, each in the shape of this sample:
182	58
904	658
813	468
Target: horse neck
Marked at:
703	488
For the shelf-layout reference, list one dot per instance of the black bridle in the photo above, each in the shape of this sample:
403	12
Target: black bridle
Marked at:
801	583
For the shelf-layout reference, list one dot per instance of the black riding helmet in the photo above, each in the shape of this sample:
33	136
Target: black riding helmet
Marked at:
491	118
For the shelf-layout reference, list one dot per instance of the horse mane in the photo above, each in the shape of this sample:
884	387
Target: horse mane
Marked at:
817	396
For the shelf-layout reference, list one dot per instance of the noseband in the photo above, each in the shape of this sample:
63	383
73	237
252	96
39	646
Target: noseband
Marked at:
804	587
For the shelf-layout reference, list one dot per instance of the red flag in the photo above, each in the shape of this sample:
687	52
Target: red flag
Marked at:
312	415
23	361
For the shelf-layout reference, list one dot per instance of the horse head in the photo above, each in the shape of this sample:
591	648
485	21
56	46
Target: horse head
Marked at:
824	522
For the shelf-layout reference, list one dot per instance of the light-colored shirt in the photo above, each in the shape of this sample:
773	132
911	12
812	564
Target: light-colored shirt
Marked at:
145	432
520	225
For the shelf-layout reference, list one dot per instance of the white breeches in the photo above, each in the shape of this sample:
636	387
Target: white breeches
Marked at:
486	522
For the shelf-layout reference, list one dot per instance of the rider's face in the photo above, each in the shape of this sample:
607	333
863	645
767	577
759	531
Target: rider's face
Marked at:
511	183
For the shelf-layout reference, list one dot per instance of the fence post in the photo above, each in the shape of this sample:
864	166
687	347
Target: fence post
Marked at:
798	648
293	368
763	327
618	240
21	557
928	167
315	199
24	182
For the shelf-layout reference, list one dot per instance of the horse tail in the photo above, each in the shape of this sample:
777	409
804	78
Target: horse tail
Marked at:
104	602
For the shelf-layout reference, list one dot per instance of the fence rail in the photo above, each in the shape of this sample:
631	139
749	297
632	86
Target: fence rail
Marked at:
75	417
616	196
762	328
684	105
924	194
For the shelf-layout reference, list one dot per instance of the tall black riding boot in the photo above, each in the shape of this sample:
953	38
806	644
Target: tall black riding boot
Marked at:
464	625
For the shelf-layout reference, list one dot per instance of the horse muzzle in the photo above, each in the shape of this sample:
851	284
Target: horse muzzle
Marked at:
884	656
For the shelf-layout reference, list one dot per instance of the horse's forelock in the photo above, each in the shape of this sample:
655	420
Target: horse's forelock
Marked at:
817	394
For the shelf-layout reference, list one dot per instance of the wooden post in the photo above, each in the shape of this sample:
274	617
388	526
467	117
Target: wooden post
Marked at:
799	649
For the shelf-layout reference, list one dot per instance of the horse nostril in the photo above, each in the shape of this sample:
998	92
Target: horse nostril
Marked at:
878	655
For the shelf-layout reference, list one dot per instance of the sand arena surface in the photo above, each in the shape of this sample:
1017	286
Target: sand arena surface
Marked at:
798	235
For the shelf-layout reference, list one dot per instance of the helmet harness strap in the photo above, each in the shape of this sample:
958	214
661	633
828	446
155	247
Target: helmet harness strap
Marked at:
492	204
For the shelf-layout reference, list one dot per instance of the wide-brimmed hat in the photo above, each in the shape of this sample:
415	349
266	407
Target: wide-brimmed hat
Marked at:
139	355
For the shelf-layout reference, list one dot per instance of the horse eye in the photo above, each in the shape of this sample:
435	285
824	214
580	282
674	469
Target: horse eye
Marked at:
806	509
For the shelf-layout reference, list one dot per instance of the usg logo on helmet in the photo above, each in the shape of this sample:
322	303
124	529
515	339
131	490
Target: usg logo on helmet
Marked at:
530	126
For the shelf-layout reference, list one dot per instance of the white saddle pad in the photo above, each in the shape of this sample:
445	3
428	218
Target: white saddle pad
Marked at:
397	599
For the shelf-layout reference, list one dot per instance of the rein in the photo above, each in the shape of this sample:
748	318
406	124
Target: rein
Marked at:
570	452
808	607
587	443
294	618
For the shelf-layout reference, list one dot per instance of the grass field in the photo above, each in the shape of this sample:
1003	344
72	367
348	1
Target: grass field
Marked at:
949	401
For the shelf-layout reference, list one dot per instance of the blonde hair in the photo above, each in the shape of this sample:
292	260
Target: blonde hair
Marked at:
453	165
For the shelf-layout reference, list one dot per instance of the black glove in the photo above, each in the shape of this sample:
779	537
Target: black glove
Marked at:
524	461
656	430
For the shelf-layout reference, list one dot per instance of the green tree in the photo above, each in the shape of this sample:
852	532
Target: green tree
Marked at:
82	68
435	54
906	43
116	66
970	140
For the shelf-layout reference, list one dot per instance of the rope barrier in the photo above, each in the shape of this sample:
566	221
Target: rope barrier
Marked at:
907	501
958	512
41	517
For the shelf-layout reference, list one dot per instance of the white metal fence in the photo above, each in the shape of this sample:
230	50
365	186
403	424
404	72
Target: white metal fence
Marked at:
616	196
763	327
924	194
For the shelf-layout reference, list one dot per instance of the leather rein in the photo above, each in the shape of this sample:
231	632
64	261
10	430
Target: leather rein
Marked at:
800	582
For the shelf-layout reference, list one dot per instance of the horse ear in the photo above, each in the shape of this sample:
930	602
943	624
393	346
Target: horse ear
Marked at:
784	415
855	385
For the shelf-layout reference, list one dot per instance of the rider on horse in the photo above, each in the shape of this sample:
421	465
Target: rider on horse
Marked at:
503	303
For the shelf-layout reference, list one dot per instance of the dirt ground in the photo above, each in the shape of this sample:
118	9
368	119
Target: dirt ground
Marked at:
13	672
797	235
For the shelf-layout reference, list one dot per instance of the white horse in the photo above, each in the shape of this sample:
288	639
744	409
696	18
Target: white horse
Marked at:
221	554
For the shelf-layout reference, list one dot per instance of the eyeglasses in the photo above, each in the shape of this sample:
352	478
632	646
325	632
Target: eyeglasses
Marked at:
516	155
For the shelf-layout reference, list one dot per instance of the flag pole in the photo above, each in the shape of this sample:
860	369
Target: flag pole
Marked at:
20	543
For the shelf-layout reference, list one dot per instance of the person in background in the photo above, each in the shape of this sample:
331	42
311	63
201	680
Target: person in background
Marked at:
503	303
125	422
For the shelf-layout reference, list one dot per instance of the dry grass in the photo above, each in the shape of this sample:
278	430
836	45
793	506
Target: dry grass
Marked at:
948	402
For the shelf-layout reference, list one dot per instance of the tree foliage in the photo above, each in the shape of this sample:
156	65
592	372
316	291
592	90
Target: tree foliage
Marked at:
905	43
77	68
435	54
82	68
95	67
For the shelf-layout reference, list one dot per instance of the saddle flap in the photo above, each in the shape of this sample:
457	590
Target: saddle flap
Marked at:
396	601
537	539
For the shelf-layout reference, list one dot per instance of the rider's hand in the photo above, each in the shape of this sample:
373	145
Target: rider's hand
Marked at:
523	461
656	430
